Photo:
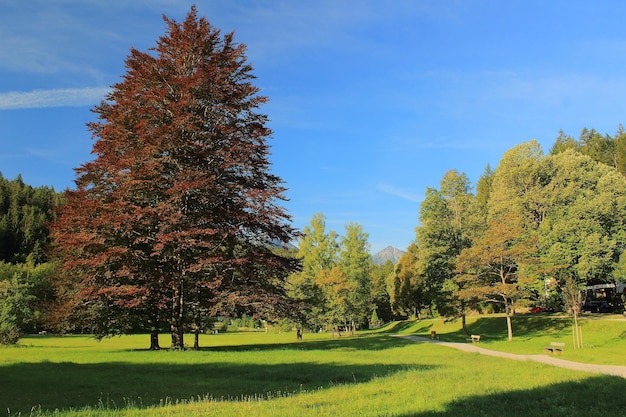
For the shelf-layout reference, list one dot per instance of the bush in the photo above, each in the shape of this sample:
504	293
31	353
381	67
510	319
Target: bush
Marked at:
15	311
223	328
246	321
9	334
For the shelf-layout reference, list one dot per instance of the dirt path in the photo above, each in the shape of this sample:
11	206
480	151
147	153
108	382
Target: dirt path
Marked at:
550	360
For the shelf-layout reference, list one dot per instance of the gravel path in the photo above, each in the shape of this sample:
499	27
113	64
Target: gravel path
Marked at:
550	360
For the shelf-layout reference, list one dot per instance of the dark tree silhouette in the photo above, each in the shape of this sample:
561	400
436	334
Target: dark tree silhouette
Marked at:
25	212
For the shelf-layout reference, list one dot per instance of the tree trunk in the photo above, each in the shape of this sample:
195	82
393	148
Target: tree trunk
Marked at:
461	313
196	338
578	337
154	339
176	324
509	326
464	324
154	334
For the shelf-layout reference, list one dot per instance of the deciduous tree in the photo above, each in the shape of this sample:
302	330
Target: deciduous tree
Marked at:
584	232
448	220
496	267
379	293
318	252
180	196
356	263
15	307
406	286
493	268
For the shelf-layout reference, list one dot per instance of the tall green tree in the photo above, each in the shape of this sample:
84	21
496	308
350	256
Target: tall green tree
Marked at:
337	292
15	311
620	150
319	253
562	143
447	223
484	186
180	195
607	149
380	295
584	232
518	185
406	287
497	267
600	148
356	263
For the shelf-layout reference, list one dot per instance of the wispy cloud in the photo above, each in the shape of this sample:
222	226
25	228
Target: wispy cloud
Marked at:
397	192
62	97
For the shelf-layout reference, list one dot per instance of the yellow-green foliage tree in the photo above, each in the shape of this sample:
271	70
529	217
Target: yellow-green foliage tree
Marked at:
449	219
583	233
334	286
560	217
318	251
356	263
497	268
493	269
405	286
336	290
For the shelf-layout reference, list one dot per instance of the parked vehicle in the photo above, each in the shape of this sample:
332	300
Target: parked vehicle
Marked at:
597	307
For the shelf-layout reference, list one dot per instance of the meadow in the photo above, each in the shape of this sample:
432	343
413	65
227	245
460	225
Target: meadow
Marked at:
372	374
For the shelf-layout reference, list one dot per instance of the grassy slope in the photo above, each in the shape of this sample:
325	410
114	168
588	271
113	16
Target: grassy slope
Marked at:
604	337
370	375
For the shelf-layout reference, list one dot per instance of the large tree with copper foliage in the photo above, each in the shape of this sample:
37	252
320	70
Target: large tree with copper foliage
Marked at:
176	218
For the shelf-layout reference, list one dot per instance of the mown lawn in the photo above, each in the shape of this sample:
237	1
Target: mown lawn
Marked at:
258	374
604	336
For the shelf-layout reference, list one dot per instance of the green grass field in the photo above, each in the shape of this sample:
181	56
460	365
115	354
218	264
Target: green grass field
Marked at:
374	374
604	336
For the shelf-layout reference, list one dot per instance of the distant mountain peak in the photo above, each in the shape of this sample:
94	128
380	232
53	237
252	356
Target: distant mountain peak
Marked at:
388	254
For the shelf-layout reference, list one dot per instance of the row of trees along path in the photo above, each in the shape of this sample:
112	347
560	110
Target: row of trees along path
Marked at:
175	218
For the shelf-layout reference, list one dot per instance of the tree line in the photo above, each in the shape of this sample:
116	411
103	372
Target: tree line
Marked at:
537	230
26	275
339	287
178	219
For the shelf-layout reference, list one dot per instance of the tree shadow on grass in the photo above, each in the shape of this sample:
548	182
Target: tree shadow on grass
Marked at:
117	385
375	342
401	326
494	327
601	396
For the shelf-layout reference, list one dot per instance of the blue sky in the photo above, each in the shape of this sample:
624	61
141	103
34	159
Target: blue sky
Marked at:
370	101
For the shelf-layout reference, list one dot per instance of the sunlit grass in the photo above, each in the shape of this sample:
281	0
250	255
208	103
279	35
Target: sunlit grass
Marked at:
258	374
604	336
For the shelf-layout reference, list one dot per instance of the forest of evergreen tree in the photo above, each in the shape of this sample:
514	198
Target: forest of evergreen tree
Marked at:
25	214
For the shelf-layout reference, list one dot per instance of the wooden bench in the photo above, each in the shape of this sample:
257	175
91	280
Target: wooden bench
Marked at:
475	338
555	347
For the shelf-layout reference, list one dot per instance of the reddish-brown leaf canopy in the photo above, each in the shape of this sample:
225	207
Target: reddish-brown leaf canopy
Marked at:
180	192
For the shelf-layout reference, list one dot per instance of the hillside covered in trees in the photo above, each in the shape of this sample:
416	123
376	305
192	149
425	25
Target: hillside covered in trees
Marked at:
25	213
26	291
